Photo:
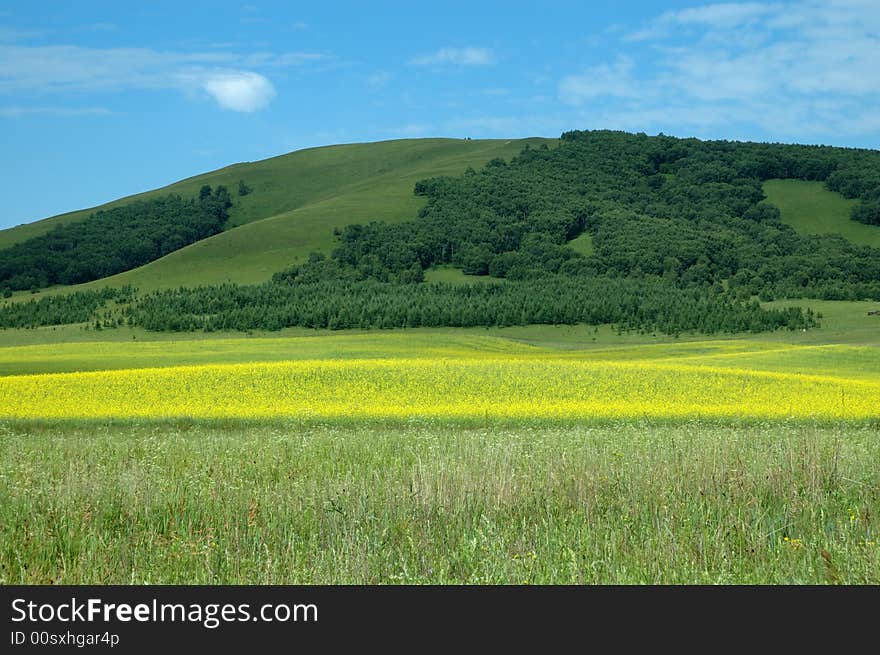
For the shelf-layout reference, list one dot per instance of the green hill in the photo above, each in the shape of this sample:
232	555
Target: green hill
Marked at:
810	208
297	201
688	214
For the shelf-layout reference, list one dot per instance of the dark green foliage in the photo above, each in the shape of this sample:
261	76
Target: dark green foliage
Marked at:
859	178
78	307
243	189
115	240
867	212
647	304
687	210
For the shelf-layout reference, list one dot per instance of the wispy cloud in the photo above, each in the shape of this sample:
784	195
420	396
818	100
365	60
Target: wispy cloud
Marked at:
614	79
229	78
21	112
772	66
457	57
378	80
10	35
726	15
287	59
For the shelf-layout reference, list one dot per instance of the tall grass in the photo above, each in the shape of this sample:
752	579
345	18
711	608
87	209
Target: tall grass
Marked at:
625	502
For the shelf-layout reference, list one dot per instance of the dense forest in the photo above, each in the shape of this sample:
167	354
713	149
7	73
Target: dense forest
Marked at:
682	241
113	240
685	210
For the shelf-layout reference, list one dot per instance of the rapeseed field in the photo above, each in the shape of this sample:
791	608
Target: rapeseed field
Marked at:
494	387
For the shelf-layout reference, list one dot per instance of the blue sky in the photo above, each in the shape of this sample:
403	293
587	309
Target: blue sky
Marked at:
104	99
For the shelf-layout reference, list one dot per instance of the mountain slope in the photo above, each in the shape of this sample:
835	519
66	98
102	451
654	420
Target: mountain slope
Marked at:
296	202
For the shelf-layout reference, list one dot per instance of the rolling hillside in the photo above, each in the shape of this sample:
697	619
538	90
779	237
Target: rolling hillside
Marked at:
297	200
627	205
810	208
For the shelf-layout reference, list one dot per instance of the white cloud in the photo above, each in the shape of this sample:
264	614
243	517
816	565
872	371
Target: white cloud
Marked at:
728	15
227	77
602	80
45	69
284	60
239	91
457	57
776	67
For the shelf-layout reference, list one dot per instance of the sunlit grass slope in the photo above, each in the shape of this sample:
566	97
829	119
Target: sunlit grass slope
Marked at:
811	209
583	244
297	200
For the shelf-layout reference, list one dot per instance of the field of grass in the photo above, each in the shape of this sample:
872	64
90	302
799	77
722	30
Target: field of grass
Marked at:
811	209
524	455
283	503
582	244
298	199
452	275
536	454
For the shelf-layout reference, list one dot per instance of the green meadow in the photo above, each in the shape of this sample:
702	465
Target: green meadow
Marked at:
629	501
378	502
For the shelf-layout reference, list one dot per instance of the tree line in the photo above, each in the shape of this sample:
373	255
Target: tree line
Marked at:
647	304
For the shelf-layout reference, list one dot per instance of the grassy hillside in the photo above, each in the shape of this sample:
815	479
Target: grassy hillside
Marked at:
583	244
297	200
811	209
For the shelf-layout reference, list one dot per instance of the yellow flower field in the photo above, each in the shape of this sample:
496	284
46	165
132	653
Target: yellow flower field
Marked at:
491	386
